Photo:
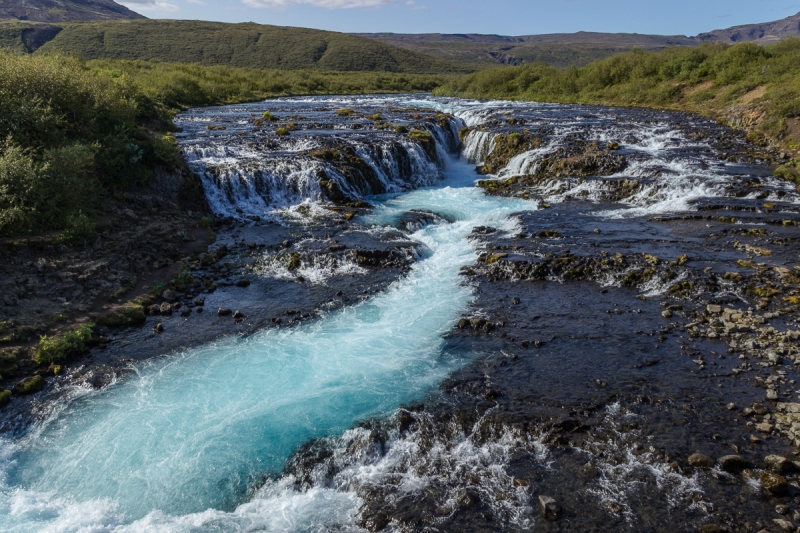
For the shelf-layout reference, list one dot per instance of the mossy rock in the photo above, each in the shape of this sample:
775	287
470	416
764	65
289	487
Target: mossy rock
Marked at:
424	138
129	316
30	385
5	396
269	117
495	257
345	112
283	131
507	147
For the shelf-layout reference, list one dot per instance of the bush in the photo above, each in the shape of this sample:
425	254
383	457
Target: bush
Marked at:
53	349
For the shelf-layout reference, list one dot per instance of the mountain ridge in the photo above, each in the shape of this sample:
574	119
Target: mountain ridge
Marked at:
65	10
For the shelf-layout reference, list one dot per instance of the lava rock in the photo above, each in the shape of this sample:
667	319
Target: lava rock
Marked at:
223	311
159	328
244	282
238	314
169	295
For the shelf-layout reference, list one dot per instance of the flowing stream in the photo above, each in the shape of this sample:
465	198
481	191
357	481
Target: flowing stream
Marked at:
197	440
192	432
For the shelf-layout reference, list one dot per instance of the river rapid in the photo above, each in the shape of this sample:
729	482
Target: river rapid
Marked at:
452	309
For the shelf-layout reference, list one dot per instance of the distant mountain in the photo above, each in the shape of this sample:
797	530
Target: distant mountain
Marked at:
64	10
764	33
565	49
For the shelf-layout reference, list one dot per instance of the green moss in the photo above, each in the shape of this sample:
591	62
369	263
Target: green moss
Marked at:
5	396
30	385
269	117
53	349
129	316
401	129
345	112
496	257
283	131
548	234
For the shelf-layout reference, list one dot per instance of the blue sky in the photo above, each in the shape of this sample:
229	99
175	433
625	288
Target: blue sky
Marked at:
506	17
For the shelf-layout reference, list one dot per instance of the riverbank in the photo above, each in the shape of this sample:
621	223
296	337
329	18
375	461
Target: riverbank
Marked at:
744	86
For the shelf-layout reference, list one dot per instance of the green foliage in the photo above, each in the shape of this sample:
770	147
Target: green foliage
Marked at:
128	316
246	45
53	349
269	117
30	385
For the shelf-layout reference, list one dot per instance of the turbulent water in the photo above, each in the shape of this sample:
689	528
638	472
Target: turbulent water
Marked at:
197	441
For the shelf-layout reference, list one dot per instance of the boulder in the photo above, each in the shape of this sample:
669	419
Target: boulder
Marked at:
733	463
223	311
169	295
778	464
698	460
774	484
549	507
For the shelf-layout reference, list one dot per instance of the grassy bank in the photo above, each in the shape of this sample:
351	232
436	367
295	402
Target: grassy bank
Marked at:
745	85
75	134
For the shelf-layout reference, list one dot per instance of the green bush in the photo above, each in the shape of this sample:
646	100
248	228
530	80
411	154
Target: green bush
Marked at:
54	349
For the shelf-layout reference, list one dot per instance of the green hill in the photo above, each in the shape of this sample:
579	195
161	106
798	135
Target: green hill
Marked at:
238	45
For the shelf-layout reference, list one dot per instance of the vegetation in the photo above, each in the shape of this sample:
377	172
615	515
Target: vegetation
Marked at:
53	349
67	133
74	133
246	45
708	79
132	315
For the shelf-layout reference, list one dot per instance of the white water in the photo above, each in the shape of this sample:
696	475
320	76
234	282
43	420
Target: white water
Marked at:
176	446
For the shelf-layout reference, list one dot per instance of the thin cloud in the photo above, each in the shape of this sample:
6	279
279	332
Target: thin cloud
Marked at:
326	4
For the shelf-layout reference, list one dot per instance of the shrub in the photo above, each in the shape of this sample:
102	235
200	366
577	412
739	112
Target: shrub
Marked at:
53	349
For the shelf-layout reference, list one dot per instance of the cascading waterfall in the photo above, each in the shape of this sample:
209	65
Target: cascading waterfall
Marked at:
197	441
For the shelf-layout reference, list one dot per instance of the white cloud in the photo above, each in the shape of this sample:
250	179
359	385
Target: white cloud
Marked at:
198	2
327	4
150	5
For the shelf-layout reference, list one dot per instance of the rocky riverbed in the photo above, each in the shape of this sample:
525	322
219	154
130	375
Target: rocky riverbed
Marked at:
629	349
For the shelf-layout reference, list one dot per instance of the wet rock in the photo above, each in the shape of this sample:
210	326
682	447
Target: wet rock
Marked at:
199	301
29	385
198	309
5	396
224	311
244	282
186	312
778	464
774	484
666	313
783	524
169	295
165	308
467	498
238	315
549	508
712	528
714	309
764	427
336	247
699	460
759	409
733	463
159	328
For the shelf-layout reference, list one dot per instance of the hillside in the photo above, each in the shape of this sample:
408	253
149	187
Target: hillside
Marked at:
237	45
566	49
558	49
64	10
767	32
